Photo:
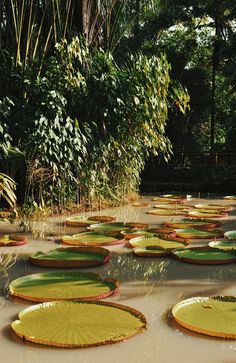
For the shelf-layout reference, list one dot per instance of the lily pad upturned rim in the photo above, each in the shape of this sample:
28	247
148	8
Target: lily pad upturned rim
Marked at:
79	221
14	240
140	205
230	197
199	261
44	262
182	241
149	251
208	224
207	301
102	218
118	239
216	233
228	234
172	207
169	201
120	338
95	276
124	225
173	196
166	212
216	207
201	215
163	231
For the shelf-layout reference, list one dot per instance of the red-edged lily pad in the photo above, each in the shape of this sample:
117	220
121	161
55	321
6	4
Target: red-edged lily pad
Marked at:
71	257
206	215
13	240
52	286
92	239
204	256
213	207
193	223
198	234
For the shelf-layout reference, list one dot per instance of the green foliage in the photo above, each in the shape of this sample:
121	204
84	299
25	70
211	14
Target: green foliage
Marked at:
87	125
7	188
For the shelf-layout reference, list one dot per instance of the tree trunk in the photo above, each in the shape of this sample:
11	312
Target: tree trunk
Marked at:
213	78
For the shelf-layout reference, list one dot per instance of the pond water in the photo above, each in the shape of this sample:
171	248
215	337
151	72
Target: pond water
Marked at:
149	285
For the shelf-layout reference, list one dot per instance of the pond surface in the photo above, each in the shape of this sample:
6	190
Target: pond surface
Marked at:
149	285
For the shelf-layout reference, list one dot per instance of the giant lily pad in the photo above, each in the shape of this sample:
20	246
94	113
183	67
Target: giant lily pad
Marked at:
169	200
223	244
92	239
78	323
213	207
63	286
166	212
14	240
102	219
177	207
117	227
230	234
141	205
156	241
161	231
230	197
205	255
80	221
193	223
215	316
150	252
71	257
197	233
173	196
206	215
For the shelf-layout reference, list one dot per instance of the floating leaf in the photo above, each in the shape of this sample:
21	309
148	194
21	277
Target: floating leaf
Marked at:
71	257
92	239
78	324
204	255
215	316
63	286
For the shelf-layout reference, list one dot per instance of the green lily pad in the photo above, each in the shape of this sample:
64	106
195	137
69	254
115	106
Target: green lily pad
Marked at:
150	252
149	232
223	244
92	239
193	223
197	233
213	207
78	323
230	234
166	212
155	241
206	215
204	255
214	316
169	200
102	219
71	257
174	207
14	240
63	286
109	228
173	196
80	221
137	233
